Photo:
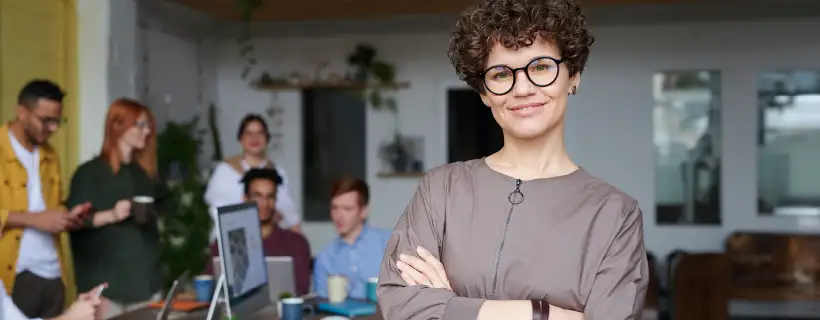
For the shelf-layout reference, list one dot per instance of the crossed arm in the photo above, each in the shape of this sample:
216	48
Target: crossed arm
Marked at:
414	285
428	271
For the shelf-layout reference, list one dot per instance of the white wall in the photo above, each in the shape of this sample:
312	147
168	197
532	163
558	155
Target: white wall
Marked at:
609	124
108	46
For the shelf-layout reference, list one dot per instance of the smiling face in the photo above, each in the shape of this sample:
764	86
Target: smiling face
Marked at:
531	108
254	140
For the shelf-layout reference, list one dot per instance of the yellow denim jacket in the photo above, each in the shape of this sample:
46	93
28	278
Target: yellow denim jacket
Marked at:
14	198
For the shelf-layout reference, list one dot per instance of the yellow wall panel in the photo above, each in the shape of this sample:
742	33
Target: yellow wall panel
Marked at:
38	40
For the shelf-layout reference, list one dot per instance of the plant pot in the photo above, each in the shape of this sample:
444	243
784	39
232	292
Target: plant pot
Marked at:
360	75
400	164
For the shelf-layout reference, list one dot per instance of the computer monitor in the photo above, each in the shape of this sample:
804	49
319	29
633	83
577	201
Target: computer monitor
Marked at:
239	238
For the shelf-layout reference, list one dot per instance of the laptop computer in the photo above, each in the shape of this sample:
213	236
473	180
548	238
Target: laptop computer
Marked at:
280	275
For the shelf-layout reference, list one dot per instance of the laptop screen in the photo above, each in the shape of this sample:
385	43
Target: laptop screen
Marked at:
240	246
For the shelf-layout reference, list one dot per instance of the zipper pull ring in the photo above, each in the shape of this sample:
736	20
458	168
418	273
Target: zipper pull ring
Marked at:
516	197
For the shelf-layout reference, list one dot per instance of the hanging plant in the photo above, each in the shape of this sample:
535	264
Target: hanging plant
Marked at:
368	69
246	8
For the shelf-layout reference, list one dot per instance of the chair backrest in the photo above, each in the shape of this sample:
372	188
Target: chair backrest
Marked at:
654	291
701	287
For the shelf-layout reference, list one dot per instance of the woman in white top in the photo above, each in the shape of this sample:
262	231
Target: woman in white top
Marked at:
225	186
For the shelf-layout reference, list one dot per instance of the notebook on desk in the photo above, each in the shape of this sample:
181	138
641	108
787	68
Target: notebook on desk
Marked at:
349	308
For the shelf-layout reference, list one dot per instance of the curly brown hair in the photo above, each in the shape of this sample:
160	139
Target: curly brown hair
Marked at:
516	24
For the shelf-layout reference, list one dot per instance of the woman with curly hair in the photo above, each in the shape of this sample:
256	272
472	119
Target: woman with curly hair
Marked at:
524	233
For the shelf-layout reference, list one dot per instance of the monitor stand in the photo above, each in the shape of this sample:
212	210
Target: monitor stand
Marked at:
221	291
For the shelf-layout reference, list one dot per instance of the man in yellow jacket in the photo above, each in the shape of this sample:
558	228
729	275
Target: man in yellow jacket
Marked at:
35	260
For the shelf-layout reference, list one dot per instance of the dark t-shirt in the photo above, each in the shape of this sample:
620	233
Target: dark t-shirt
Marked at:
123	254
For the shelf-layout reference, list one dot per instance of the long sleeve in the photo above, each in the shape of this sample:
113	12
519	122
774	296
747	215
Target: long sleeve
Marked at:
4	217
79	192
222	186
162	195
320	273
422	224
620	284
284	202
221	191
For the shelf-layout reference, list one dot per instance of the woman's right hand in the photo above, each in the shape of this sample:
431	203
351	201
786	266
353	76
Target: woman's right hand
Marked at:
122	210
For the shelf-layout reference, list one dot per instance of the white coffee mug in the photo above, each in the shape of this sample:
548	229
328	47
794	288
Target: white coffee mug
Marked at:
143	199
337	288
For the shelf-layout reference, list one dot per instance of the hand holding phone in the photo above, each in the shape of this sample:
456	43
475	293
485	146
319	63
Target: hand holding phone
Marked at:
99	289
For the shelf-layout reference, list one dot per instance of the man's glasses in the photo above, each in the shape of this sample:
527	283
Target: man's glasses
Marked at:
541	71
51	121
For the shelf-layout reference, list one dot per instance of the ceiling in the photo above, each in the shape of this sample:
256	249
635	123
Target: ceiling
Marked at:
205	18
302	10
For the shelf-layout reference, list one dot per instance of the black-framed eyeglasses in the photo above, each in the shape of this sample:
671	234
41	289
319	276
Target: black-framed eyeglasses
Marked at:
51	121
541	71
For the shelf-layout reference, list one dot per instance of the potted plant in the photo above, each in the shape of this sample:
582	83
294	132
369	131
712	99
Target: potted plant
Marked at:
282	296
185	230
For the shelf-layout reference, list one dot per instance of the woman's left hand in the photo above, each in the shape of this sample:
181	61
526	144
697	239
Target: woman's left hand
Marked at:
426	270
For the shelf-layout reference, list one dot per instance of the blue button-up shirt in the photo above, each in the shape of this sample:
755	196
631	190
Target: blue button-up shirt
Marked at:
358	261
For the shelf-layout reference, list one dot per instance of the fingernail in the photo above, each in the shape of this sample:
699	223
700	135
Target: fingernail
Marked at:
402	257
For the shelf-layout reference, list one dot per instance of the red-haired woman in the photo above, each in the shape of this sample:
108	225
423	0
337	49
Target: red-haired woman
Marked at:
116	246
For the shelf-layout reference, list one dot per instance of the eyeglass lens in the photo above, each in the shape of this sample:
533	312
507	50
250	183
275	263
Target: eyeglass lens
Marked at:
541	72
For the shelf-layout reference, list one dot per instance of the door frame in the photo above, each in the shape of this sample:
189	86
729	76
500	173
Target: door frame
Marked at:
444	87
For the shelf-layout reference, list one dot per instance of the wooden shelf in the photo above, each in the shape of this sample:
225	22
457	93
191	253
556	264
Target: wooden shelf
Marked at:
328	85
400	174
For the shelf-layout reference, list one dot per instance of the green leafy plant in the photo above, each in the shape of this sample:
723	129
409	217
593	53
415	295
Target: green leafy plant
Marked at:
285	295
370	70
246	8
185	229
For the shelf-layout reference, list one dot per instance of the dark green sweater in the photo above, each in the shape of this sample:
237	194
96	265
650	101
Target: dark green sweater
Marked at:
124	254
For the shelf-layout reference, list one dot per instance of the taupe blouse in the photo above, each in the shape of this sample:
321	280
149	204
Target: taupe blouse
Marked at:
574	241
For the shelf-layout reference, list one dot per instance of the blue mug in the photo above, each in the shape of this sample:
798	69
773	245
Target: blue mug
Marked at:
204	288
372	284
294	308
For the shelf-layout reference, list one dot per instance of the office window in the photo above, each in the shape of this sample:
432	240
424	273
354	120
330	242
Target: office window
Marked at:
686	116
788	166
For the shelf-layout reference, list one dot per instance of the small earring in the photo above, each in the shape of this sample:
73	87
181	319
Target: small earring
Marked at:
572	91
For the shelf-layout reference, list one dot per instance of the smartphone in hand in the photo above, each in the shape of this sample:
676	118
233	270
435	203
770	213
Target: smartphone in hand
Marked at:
99	290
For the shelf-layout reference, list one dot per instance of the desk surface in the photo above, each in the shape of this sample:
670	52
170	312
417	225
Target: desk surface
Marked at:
268	313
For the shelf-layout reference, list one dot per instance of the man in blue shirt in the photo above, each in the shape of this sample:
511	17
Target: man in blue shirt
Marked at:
357	253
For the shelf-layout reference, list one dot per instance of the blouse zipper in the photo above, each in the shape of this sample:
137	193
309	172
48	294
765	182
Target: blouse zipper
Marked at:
515	198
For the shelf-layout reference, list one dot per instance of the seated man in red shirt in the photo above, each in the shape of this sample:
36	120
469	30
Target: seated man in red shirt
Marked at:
260	186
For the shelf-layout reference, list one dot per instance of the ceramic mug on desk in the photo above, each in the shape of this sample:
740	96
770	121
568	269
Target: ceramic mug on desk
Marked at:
337	286
372	284
294	309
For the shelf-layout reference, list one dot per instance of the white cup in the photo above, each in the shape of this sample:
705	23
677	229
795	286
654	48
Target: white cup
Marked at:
337	288
143	199
293	301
